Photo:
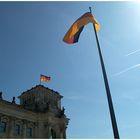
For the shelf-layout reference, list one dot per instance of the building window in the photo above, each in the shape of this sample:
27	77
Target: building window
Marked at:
2	127
17	129
52	134
21	101
29	132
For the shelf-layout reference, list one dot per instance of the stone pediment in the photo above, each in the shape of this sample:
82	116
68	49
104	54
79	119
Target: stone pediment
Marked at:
40	89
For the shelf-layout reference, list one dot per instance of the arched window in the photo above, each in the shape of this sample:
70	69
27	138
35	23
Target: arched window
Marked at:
29	132
17	129
3	126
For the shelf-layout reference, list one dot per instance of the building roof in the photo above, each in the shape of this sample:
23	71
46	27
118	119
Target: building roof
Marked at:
40	86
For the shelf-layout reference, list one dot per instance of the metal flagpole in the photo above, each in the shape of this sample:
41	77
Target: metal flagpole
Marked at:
109	99
40	79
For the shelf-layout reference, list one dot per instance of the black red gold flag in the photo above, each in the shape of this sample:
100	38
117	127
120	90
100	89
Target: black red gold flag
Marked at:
44	78
73	33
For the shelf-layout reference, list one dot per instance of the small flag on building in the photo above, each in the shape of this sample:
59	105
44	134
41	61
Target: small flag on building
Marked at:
73	33
44	78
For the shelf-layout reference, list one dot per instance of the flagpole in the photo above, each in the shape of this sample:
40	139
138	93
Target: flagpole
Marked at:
109	98
40	80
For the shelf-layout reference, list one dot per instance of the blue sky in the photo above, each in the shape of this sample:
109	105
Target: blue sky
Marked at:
31	44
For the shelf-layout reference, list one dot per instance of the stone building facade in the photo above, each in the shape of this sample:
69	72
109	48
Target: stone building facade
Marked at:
39	115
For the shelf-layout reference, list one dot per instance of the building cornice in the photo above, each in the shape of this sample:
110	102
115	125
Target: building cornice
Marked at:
18	111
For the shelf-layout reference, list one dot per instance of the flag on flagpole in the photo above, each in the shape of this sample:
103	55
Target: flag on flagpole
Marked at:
73	33
44	78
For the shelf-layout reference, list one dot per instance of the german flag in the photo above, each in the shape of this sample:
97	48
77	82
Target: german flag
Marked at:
73	33
44	78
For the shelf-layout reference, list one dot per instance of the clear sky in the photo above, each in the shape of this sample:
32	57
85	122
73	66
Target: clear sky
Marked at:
31	44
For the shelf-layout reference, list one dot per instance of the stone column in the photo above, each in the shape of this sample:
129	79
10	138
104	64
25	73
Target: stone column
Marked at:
24	129
64	134
11	127
49	132
36	130
46	130
40	130
57	131
58	135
